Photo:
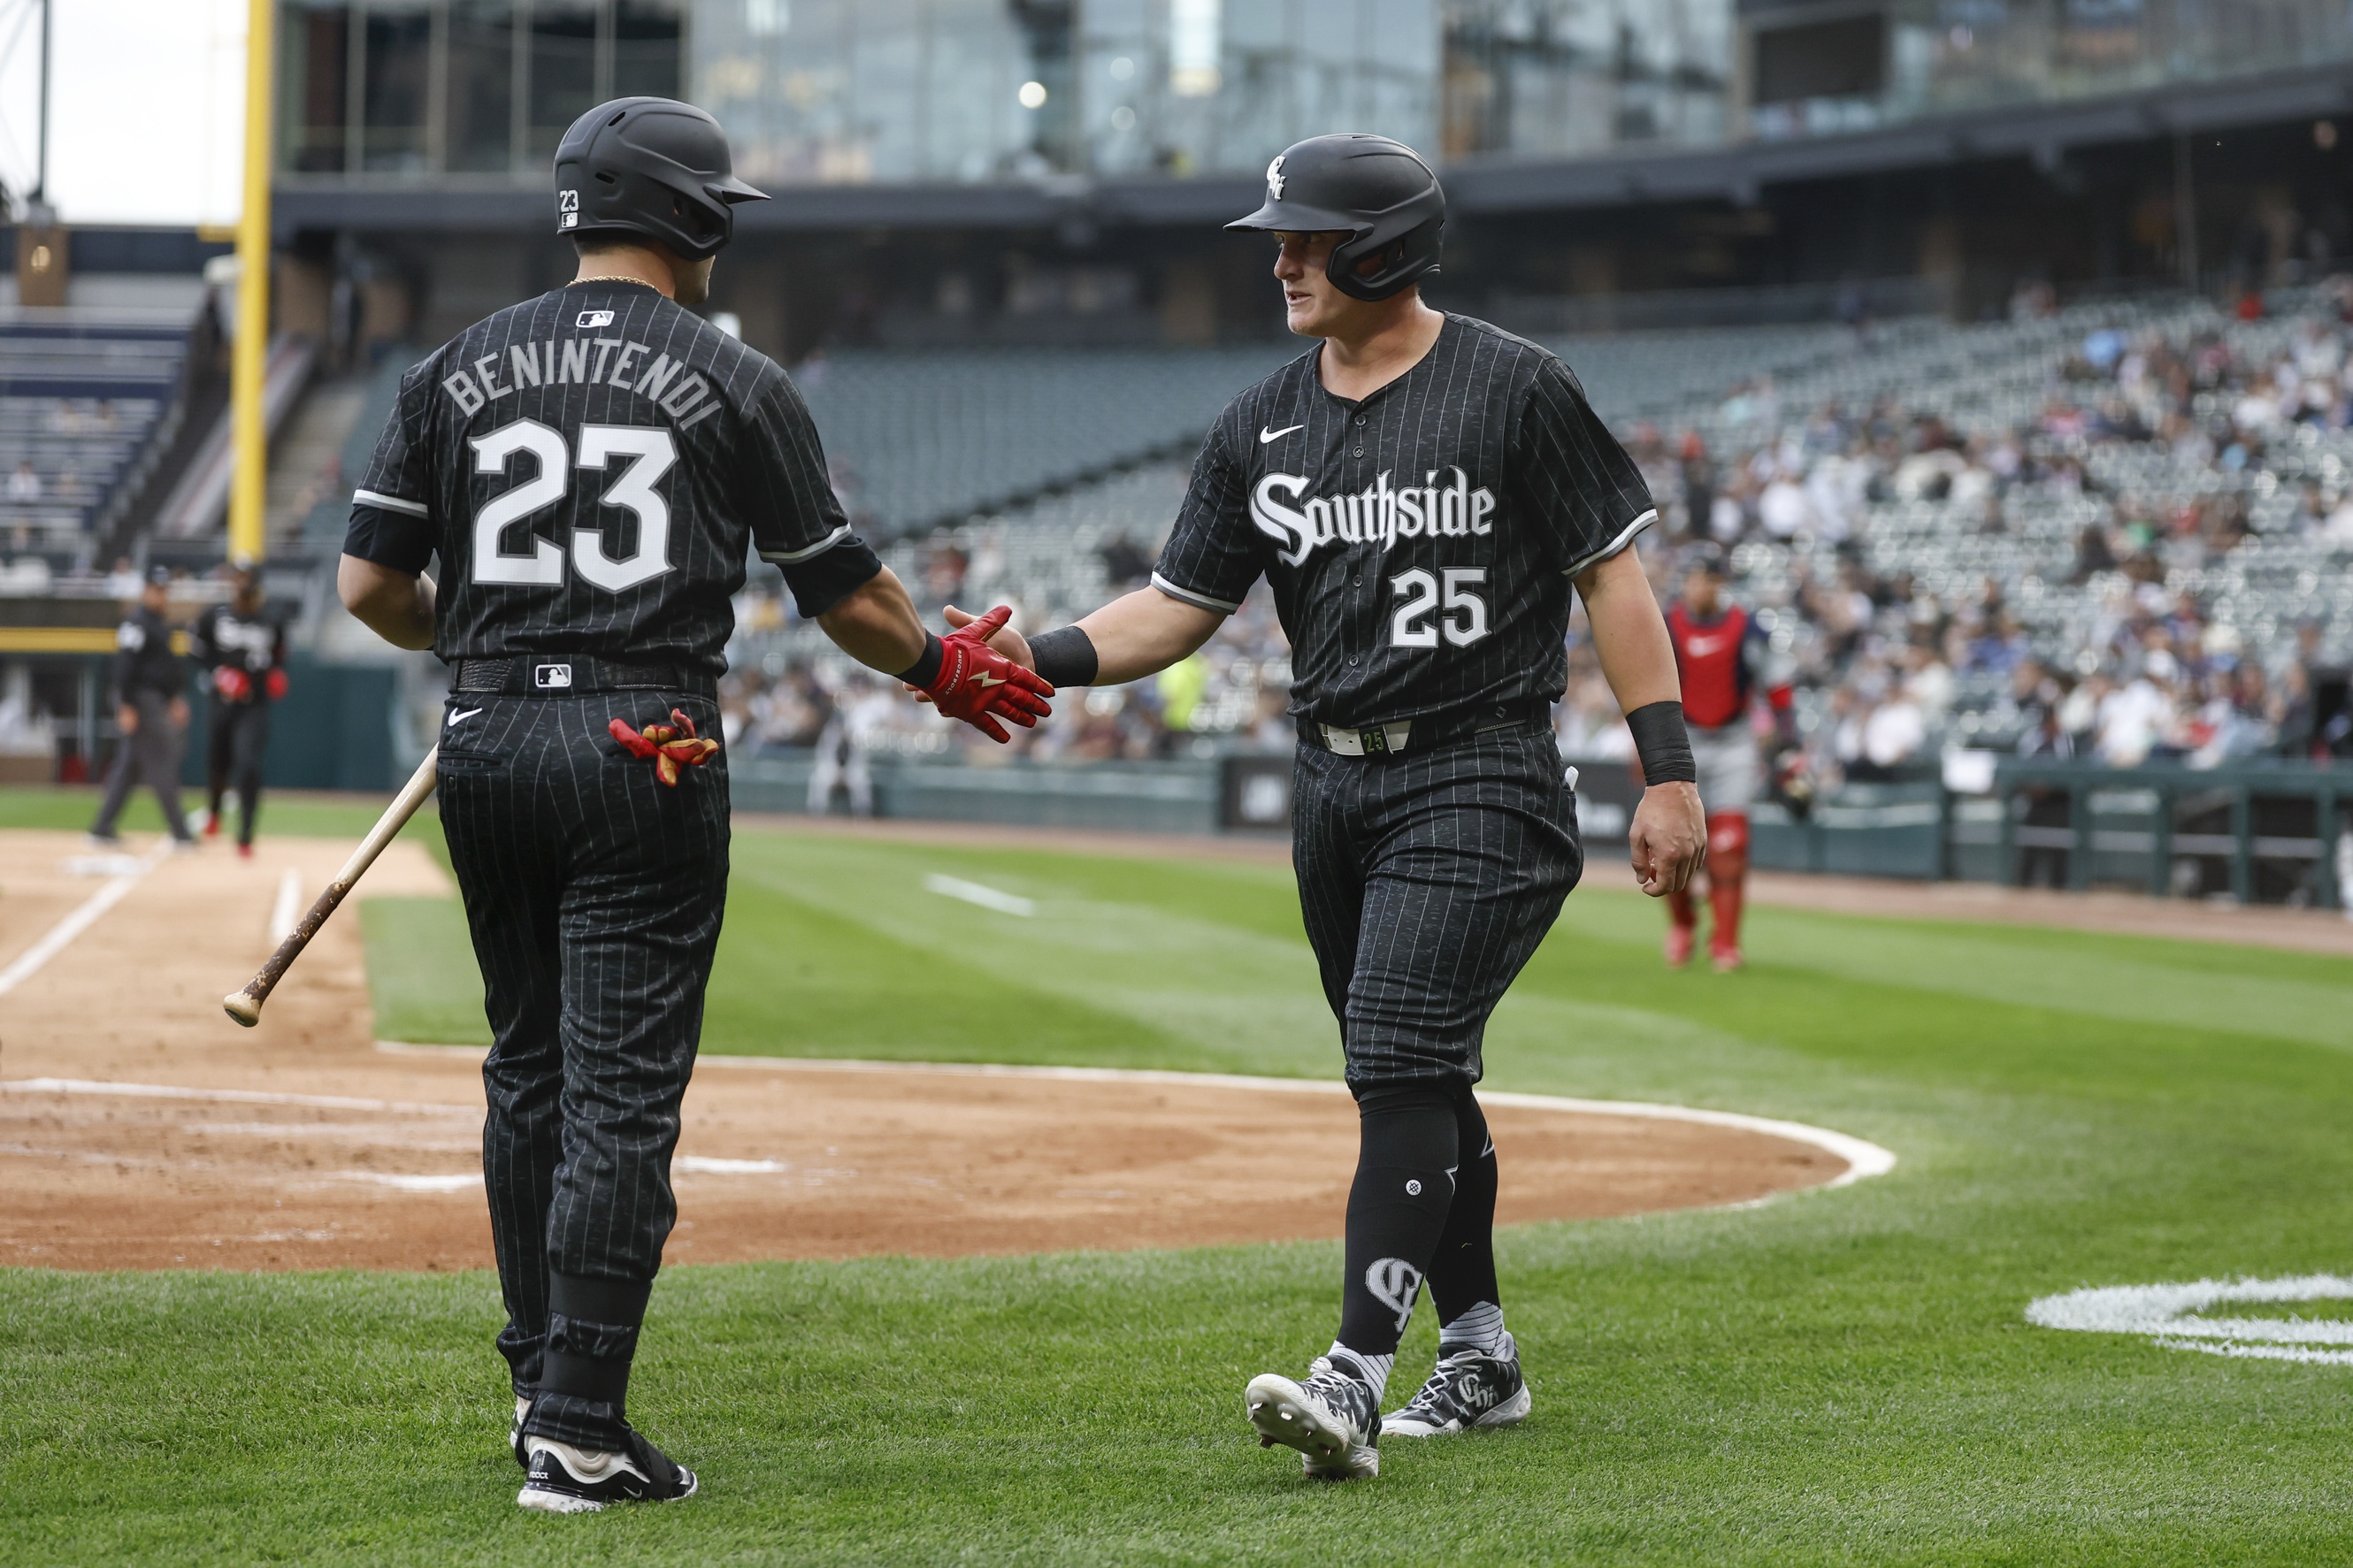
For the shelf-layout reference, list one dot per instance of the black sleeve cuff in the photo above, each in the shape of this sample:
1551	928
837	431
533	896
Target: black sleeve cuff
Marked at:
826	578
1064	656
392	540
927	670
1663	743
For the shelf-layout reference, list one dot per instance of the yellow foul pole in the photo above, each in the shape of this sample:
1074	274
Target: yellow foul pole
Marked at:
248	370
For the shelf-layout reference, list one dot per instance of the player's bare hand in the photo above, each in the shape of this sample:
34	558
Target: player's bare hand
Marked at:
127	717
1669	838
1005	640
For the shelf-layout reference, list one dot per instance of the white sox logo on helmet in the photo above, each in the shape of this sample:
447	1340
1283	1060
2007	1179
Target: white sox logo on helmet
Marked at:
1274	180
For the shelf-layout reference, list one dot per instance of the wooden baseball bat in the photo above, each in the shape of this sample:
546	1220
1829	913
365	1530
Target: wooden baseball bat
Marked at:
245	1006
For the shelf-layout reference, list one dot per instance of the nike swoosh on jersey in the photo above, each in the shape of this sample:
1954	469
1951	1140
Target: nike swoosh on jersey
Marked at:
461	718
1266	436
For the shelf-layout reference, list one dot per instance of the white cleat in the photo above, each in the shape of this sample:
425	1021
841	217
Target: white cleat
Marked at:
1332	1420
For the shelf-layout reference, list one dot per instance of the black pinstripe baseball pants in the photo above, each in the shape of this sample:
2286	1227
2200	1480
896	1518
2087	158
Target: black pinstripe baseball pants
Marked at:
1427	880
594	894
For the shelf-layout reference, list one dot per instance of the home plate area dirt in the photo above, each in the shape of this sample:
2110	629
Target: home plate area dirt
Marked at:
141	1129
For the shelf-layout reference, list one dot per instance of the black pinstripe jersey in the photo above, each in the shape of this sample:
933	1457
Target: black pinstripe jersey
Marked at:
1419	543
593	467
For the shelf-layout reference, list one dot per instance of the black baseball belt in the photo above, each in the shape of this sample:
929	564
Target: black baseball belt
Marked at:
1425	732
568	675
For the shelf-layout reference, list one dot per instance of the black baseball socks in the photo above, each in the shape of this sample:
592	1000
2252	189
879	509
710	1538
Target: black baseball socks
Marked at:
584	1380
1462	1271
1396	1215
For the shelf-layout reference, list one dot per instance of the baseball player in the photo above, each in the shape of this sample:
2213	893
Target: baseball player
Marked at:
151	697
592	468
1421	492
242	648
1721	654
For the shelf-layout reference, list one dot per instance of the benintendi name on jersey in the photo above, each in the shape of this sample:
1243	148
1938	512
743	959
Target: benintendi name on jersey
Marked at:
586	362
1380	514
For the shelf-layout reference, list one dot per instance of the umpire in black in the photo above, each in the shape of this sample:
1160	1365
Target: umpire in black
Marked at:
592	468
1422	492
150	696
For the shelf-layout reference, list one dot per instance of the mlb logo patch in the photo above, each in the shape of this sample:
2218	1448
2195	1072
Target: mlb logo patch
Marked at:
552	676
596	318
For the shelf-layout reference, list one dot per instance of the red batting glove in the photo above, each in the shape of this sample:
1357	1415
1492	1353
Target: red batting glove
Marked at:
274	683
672	746
232	683
979	685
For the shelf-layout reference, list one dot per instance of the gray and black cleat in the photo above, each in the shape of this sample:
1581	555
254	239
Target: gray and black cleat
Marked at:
1469	1388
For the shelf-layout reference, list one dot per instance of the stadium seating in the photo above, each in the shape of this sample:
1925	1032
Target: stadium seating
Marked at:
86	397
964	432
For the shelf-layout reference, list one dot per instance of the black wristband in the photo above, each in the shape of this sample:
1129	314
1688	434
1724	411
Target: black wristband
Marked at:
1064	656
1663	743
927	670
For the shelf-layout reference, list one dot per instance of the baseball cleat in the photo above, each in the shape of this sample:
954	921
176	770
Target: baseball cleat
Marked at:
1332	1420
514	1433
569	1480
1725	959
1679	945
1469	1388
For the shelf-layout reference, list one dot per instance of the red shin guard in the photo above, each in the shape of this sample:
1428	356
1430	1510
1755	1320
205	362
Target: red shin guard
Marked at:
1727	876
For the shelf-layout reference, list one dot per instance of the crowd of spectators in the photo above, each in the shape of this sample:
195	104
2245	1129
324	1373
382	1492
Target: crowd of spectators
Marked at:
1888	673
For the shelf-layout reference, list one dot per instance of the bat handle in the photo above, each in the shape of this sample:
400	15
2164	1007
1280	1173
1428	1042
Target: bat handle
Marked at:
245	1006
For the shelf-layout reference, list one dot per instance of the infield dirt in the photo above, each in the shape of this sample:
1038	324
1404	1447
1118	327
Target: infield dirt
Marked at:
140	1128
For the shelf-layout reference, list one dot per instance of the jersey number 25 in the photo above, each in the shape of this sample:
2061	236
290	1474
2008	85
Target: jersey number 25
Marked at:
1415	626
649	452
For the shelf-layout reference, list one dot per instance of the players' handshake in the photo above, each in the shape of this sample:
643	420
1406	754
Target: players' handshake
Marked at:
978	684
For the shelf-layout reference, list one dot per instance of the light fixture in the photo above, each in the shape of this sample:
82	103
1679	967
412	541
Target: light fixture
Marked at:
1033	95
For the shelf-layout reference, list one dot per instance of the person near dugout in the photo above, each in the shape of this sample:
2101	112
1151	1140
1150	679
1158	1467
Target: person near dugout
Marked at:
241	649
151	705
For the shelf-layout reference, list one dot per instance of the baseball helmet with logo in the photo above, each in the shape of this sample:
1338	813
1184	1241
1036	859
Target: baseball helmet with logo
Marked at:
1378	191
649	167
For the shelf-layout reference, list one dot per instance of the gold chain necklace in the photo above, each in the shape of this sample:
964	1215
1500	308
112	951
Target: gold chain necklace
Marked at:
610	277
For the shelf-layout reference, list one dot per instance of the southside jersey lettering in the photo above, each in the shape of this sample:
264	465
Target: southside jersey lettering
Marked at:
593	467
1419	543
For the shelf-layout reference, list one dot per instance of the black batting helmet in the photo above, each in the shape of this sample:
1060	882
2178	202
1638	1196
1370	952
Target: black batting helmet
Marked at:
649	167
1378	191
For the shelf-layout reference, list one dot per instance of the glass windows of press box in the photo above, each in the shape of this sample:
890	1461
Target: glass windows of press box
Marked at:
1557	79
853	92
1813	74
411	88
970	90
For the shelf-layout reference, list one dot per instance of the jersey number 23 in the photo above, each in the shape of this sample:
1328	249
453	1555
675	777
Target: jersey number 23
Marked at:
648	452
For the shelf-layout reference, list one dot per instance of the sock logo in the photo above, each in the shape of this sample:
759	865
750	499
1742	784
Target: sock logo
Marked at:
1394	1283
1413	1189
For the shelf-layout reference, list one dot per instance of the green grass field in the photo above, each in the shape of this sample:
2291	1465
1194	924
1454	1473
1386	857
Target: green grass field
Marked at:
1838	1377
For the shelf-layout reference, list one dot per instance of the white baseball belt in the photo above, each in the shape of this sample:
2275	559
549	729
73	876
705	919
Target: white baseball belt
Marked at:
1372	742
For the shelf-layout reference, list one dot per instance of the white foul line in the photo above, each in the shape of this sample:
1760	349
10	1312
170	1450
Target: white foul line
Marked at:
1864	1158
288	907
28	962
980	893
229	1096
